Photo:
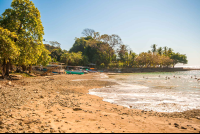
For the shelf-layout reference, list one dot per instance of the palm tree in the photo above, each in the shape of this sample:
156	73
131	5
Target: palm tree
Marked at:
170	50
165	50
160	51
154	48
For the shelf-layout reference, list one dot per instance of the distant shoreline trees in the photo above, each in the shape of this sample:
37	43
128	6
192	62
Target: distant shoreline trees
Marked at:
108	51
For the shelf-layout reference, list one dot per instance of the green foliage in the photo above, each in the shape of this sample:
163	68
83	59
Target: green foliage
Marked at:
24	19
165	50
56	54
154	48
151	60
160	51
21	35
44	58
79	45
55	44
72	58
97	48
131	59
8	48
50	47
95	51
123	53
102	65
100	49
178	58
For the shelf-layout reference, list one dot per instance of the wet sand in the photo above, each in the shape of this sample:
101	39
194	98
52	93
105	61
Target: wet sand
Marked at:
59	104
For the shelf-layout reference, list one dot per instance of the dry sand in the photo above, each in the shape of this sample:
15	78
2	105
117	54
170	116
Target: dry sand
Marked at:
58	104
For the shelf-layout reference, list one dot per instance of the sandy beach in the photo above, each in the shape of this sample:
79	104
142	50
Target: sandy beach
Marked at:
61	103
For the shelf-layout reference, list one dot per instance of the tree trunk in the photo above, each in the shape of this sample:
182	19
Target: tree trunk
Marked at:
173	65
30	68
7	68
11	67
2	72
18	69
23	68
3	69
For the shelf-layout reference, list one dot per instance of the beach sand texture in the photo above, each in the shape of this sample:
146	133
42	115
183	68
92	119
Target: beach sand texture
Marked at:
61	103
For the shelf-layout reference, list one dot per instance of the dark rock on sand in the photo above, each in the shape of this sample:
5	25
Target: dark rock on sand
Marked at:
183	127
176	125
77	109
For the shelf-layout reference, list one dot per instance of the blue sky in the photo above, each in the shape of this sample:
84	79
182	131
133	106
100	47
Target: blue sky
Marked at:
140	23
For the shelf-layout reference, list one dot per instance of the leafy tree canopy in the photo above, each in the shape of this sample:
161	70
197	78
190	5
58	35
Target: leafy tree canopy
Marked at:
24	19
8	49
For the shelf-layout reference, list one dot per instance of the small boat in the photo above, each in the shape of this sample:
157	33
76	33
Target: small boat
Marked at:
82	70
74	72
55	72
92	71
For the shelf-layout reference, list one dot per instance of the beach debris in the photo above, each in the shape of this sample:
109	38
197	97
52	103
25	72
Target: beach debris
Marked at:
77	109
27	121
1	123
9	83
198	117
50	111
183	127
176	125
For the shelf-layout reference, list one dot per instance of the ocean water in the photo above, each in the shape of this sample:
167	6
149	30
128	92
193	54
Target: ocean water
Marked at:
158	91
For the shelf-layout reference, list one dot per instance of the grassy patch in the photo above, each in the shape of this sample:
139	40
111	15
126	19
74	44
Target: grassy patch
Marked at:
22	74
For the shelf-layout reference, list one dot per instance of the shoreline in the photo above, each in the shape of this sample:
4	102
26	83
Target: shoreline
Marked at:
151	93
59	104
141	70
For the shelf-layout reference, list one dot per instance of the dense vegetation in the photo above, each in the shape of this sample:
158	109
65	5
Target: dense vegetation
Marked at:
21	37
108	51
21	44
